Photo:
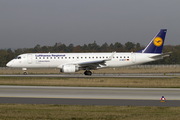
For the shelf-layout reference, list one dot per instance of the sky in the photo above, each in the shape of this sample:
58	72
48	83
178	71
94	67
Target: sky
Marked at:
26	23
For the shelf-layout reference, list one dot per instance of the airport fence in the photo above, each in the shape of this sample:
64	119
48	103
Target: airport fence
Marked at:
135	66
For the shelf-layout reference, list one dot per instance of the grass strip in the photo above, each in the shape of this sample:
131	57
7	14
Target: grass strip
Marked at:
93	82
77	112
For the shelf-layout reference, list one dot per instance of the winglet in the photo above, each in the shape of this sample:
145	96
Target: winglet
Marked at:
110	57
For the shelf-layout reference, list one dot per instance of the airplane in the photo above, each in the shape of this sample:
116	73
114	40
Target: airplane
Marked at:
73	62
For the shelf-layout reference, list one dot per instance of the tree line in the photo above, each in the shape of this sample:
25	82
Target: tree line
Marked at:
8	54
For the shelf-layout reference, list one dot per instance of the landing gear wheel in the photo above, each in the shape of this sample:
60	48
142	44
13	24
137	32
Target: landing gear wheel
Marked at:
88	72
24	69
25	73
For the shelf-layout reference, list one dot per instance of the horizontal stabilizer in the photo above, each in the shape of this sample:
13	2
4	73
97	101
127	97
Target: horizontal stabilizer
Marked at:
160	56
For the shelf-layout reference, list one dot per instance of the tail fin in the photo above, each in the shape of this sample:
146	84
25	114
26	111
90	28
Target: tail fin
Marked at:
156	44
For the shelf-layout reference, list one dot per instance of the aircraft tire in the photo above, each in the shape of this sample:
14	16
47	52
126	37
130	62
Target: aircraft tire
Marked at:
25	73
87	73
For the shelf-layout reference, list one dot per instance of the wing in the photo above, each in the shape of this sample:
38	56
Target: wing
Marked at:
93	64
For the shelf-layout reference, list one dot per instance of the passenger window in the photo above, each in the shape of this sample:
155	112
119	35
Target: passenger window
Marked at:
69	57
117	57
124	57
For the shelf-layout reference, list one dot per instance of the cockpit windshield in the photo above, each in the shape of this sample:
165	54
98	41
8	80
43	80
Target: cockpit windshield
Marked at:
18	57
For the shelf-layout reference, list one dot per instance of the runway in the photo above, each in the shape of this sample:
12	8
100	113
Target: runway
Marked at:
160	75
89	95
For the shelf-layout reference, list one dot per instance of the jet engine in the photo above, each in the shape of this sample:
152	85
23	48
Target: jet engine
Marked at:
69	69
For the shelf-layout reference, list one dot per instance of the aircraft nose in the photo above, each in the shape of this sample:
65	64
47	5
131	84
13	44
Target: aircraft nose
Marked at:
9	64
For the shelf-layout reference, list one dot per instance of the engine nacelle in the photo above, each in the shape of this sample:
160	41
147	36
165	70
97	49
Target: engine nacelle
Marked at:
69	69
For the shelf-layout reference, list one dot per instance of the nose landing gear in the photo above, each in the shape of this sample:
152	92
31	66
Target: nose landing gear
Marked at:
25	69
25	73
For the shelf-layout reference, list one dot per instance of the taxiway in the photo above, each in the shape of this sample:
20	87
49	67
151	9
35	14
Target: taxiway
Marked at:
89	95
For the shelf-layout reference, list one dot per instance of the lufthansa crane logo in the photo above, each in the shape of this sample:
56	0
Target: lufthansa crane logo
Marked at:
158	41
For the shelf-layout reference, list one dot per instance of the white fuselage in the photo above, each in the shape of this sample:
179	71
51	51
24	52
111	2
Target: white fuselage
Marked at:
57	60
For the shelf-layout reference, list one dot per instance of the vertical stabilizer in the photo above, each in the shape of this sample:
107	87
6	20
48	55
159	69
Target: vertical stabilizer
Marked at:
156	44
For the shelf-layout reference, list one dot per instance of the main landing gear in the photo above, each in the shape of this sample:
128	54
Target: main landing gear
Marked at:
88	72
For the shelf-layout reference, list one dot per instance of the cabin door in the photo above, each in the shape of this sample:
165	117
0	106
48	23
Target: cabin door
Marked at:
29	58
133	55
